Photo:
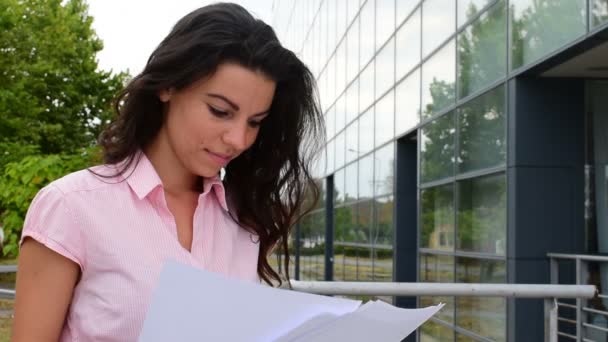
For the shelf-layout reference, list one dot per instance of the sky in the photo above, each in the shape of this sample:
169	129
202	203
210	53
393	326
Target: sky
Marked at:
131	29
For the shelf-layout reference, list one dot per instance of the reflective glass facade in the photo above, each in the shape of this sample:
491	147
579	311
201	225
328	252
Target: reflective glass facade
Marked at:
437	72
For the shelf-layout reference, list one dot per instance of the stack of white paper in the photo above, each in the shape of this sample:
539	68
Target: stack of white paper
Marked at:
193	305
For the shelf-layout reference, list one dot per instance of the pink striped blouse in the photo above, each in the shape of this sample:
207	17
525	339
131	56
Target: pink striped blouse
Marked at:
120	234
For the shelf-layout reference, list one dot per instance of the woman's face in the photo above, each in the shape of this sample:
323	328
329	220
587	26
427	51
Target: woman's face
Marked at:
215	119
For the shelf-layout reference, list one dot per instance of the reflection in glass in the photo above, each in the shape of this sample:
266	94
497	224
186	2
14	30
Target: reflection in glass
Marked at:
438	23
312	246
352	50
366	129
438	269
340	149
352	135
385	9
438	79
599	12
367	46
404	8
541	26
483	316
467	9
482	214
437	149
385	119
437	218
339	189
382	239
464	338
340	109
352	101
407	103
384	160
385	68
408	45
341	68
366	91
482	51
435	332
481	124
330	151
366	177
350	179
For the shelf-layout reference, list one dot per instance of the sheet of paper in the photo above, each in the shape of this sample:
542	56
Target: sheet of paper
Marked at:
194	305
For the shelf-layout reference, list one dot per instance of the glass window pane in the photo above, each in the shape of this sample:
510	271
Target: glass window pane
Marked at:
340	149
385	68
352	137
408	45
331	156
384	159
539	27
599	12
407	103
352	7
483	316
352	101
350	179
482	214
312	246
341	68
404	8
385	9
438	81
438	23
341	18
482	51
366	177
464	338
382	239
352	55
340	109
331	80
367	45
330	122
366	91
438	269
437	221
437	149
339	189
366	129
331	24
435	332
385	119
481	125
467	9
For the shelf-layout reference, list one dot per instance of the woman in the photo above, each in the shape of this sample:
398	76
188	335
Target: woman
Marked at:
218	92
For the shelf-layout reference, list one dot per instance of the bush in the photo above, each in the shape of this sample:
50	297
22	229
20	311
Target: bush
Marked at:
22	180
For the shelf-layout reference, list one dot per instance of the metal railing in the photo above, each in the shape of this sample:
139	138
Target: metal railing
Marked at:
550	293
582	320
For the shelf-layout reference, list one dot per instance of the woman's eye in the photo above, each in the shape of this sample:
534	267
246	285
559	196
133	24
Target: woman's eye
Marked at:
217	112
255	124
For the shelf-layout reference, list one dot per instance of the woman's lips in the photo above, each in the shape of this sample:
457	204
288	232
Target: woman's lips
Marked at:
221	159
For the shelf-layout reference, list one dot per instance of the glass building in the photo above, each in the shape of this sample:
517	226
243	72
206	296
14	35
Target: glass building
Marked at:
466	139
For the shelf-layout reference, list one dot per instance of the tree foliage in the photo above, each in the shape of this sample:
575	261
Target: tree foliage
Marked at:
52	99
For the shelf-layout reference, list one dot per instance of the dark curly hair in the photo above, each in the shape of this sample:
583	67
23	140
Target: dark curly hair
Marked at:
268	182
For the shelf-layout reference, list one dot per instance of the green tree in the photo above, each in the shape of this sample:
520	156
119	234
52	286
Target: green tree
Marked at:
53	98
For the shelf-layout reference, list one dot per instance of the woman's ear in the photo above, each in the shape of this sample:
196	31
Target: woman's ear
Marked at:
165	95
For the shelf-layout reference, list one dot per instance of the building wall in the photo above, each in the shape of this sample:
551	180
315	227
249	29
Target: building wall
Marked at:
438	71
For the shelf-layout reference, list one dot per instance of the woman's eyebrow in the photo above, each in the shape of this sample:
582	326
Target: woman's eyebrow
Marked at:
225	99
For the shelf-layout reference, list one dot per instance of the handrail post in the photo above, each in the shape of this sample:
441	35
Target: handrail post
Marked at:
550	319
582	273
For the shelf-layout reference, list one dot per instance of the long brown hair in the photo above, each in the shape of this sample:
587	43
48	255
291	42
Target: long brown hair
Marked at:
267	183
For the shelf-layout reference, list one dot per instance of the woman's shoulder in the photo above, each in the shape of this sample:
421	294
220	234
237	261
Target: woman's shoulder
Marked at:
86	180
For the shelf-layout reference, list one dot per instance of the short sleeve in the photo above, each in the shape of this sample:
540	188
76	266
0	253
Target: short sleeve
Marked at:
49	221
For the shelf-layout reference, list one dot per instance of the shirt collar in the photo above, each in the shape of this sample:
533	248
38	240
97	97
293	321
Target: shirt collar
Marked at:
143	179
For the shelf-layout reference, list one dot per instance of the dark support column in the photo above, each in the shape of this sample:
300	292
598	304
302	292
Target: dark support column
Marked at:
545	178
405	213
329	229
298	239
